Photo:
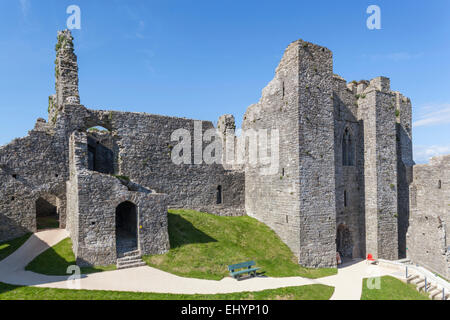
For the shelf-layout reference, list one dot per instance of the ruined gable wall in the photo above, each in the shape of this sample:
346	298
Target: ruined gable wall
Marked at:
38	163
428	238
144	149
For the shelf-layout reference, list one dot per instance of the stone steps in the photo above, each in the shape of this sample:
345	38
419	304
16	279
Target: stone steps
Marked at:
404	261
132	253
433	291
418	281
421	286
131	264
436	294
412	278
131	259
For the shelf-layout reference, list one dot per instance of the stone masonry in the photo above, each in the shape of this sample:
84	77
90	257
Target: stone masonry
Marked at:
341	182
428	238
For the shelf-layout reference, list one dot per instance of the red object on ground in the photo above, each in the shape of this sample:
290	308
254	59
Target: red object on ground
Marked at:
370	257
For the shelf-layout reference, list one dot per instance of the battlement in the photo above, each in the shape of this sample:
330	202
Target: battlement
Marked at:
314	52
382	84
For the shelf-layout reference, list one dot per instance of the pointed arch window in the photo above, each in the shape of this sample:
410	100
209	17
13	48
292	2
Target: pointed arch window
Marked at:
348	153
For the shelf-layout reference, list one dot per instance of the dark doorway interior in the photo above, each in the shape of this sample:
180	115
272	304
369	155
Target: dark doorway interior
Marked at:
126	228
344	242
46	213
219	195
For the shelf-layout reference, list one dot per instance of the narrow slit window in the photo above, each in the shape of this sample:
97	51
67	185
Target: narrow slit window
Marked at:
345	198
348	147
219	195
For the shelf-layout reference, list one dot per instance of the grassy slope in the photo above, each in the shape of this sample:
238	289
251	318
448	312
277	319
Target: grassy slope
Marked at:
8	247
392	289
310	292
56	260
202	245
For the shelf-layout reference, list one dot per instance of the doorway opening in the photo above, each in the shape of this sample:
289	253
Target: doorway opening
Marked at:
126	227
47	216
344	242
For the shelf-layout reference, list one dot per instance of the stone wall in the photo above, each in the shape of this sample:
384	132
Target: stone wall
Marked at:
349	185
428	238
274	199
94	199
140	146
376	105
404	166
30	167
298	201
144	153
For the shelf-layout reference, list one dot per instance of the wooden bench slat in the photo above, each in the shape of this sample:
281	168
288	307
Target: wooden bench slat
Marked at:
241	265
245	266
244	271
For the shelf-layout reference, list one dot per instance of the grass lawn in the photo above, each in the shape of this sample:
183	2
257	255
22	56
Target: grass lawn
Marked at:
392	289
50	222
8	247
203	245
310	292
55	260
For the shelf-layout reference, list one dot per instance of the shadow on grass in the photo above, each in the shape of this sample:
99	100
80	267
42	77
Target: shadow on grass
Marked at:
182	232
49	262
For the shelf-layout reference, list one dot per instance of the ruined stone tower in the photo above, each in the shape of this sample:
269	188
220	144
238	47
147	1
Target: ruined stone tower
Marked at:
345	154
298	202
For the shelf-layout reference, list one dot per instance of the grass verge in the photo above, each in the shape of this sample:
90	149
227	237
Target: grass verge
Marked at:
310	292
8	247
392	289
55	261
203	245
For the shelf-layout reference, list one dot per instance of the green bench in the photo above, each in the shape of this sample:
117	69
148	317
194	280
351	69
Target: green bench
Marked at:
246	266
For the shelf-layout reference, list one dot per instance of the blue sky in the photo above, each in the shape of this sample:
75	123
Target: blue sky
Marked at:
200	59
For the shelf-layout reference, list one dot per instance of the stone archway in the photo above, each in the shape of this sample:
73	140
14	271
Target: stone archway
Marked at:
344	241
126	228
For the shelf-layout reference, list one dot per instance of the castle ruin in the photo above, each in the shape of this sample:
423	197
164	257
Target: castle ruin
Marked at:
343	181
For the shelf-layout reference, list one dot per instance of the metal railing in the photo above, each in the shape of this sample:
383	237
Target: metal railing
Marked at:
429	276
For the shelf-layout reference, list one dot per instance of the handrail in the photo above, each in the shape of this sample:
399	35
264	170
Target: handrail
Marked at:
424	272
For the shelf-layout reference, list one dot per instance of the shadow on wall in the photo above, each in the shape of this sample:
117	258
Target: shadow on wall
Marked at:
11	229
182	232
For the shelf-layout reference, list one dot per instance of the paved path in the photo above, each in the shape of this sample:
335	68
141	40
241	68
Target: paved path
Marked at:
347	282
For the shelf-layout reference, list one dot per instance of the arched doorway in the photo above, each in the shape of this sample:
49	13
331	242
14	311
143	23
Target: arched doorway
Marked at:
344	242
126	227
47	216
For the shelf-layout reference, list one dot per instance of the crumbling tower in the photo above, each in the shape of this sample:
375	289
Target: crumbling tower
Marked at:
66	75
